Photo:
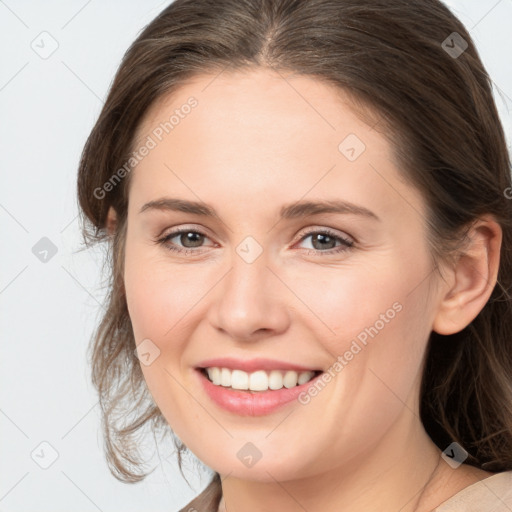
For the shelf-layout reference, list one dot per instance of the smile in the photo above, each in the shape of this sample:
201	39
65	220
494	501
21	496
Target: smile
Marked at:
248	402
259	380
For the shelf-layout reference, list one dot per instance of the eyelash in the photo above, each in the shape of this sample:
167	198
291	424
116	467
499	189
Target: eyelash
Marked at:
346	244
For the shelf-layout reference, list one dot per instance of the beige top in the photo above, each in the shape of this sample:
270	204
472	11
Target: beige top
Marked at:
492	494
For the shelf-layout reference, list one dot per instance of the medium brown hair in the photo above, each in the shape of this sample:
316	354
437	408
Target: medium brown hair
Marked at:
438	113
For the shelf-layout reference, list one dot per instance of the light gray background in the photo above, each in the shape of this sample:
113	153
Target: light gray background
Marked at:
49	309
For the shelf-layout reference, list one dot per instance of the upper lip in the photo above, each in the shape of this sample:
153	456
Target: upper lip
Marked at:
252	365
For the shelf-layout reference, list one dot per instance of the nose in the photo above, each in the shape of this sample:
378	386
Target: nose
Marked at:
250	301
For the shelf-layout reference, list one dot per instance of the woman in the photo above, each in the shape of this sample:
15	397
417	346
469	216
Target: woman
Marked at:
239	137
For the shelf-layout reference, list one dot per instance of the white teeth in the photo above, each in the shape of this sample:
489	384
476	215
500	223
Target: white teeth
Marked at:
239	379
275	379
225	377
259	380
304	377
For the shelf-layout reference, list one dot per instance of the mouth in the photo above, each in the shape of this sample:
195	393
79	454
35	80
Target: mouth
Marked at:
258	393
259	381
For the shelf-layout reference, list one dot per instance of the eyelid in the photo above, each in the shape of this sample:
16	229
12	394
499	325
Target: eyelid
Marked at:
298	237
324	229
347	242
180	227
170	233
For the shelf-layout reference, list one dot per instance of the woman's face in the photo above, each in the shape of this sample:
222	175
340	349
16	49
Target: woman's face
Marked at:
251	284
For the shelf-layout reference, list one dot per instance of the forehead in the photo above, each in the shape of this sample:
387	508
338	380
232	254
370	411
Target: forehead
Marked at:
264	132
263	101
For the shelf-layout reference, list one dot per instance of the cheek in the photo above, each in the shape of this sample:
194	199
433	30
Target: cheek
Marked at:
158	302
379	343
342	304
158	296
145	306
375	322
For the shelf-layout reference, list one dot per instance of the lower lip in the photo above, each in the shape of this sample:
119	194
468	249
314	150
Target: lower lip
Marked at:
252	403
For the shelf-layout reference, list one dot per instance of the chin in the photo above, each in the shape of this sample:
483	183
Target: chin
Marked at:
264	471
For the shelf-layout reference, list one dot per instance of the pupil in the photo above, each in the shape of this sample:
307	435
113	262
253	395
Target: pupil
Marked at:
189	237
321	237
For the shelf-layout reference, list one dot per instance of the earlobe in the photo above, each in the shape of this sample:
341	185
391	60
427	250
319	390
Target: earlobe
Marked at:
111	222
473	276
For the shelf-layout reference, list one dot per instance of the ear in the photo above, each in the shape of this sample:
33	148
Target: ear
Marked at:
111	223
472	279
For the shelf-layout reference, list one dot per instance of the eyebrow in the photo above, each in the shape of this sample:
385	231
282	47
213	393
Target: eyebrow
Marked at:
297	209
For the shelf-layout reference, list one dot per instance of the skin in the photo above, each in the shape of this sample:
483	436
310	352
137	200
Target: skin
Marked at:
258	140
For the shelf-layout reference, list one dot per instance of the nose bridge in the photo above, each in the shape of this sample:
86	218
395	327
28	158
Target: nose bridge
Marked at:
246	283
248	300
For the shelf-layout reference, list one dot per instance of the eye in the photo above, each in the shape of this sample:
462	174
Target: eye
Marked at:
326	239
191	239
185	236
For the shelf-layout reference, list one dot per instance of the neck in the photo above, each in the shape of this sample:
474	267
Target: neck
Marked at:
396	474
